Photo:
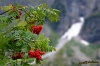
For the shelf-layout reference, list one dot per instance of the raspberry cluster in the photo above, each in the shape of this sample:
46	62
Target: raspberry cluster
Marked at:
36	29
36	54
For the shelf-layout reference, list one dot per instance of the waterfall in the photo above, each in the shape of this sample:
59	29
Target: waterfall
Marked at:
74	30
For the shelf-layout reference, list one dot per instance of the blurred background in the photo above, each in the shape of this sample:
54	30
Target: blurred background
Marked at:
76	35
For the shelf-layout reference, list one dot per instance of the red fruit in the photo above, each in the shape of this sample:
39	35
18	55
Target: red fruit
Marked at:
31	53
39	58
40	52
14	57
17	17
36	54
19	14
19	55
36	29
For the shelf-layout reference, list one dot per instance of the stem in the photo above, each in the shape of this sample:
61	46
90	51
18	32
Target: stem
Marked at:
5	12
16	63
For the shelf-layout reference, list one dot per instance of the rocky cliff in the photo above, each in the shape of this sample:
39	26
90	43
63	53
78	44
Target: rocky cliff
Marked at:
91	29
71	10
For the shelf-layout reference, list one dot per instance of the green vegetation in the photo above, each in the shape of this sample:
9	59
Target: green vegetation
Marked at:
20	28
66	55
53	38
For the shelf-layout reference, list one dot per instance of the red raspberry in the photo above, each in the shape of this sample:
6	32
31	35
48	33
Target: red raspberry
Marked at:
36	29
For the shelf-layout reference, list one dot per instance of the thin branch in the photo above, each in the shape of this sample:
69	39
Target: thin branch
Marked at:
4	12
9	10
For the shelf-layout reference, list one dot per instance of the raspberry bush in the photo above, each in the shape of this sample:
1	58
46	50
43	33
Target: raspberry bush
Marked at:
20	39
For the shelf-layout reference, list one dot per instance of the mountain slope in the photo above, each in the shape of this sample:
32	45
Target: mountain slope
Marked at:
73	53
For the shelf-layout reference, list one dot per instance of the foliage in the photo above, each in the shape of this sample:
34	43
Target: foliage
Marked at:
16	36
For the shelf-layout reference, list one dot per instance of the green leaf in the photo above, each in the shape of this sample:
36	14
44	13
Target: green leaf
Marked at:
12	14
21	24
6	8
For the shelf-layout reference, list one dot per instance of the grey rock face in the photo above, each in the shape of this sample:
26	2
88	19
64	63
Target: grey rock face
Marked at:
91	29
71	10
